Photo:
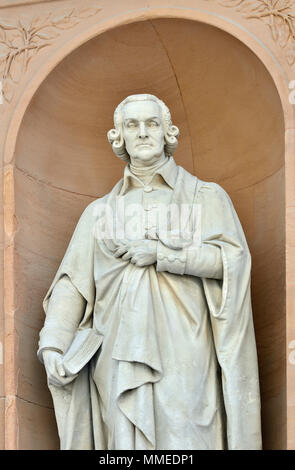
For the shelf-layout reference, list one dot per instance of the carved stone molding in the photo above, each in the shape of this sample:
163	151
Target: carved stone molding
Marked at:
23	38
278	15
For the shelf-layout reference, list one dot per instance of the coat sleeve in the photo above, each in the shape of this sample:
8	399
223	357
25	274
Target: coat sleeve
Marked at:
65	310
229	303
68	304
195	260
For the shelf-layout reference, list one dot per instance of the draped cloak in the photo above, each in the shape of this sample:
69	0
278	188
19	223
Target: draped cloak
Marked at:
177	368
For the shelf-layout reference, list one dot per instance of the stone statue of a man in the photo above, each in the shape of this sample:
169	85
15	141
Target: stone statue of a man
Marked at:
148	341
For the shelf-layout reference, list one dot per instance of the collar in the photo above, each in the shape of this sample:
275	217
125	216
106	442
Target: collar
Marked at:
168	171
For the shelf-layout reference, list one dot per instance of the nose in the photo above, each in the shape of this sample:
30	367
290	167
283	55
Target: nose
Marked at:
142	130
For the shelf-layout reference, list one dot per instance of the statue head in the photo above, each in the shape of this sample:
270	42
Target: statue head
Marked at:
143	130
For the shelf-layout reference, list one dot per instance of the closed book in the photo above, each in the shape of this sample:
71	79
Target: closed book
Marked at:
85	344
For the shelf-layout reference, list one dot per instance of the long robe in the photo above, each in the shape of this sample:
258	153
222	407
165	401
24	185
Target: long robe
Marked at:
177	368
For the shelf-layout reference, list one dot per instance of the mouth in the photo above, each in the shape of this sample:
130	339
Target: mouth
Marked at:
143	145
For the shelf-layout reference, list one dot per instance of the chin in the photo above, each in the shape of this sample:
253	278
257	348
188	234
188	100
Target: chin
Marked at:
147	157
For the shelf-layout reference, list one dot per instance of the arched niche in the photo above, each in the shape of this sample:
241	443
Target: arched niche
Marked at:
232	132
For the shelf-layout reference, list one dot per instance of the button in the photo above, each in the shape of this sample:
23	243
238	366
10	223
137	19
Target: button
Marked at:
182	258
149	207
171	258
160	256
147	189
150	236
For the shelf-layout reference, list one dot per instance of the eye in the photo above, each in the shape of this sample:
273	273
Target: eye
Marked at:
131	125
153	124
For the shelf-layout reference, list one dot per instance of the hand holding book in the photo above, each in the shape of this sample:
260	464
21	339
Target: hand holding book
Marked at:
63	369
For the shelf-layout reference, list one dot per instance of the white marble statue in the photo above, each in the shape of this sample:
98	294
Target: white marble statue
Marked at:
148	341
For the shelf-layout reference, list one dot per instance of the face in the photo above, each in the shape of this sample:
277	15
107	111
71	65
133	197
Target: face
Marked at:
143	132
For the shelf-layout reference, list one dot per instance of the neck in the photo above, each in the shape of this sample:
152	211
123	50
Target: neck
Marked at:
147	170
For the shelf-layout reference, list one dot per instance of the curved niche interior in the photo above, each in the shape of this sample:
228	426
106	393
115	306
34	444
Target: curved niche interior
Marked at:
232	132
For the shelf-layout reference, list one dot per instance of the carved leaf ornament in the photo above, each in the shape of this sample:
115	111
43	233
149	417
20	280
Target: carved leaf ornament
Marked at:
22	39
278	15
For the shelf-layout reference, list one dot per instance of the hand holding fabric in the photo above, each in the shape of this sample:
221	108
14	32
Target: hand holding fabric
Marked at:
140	252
